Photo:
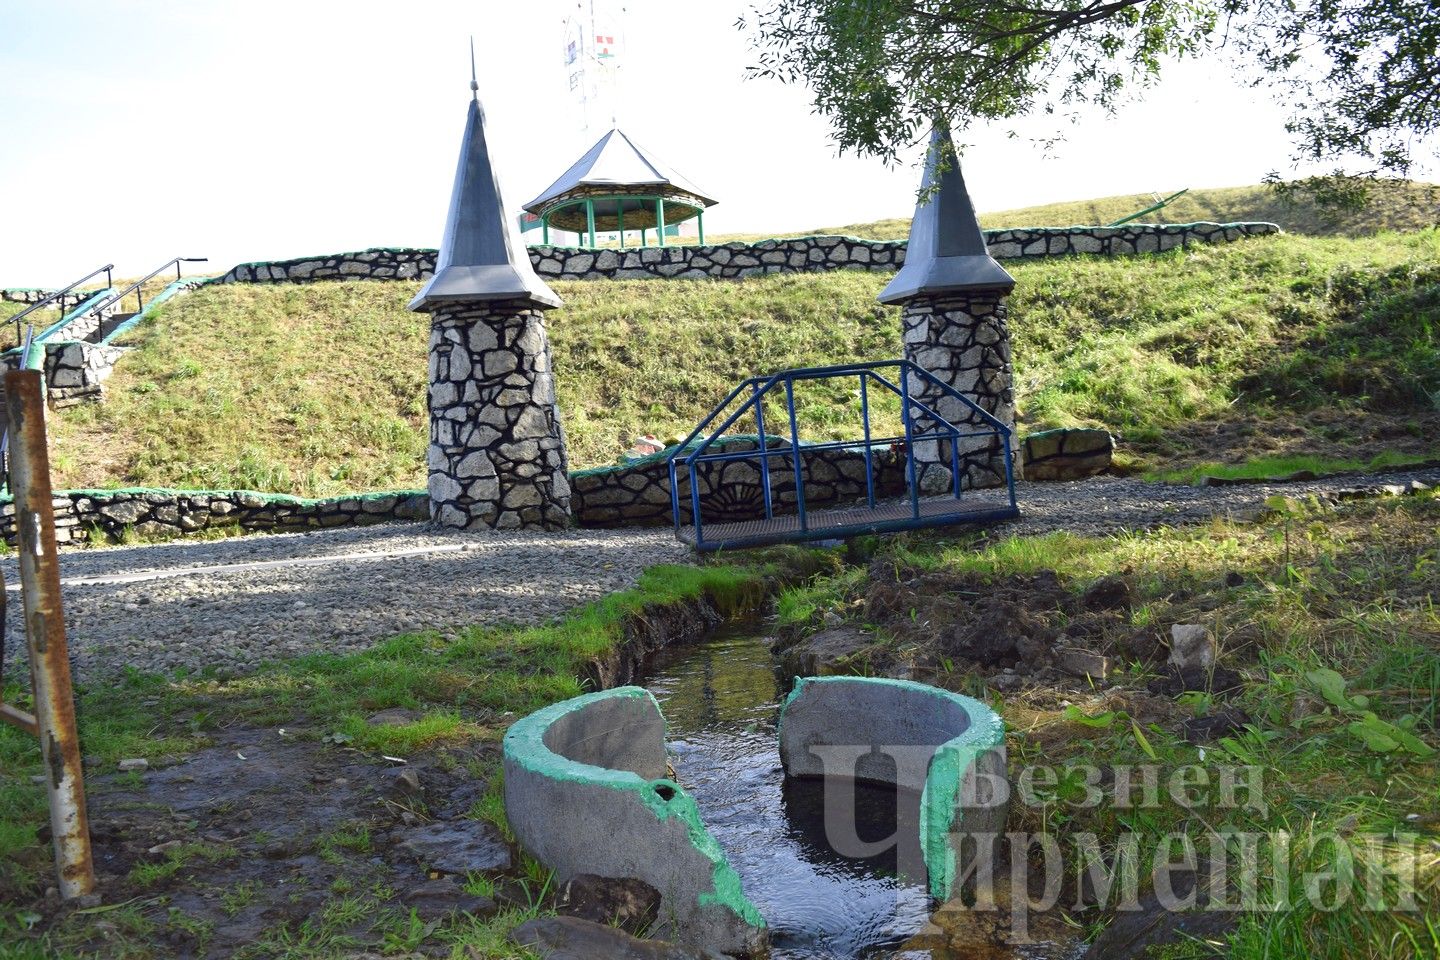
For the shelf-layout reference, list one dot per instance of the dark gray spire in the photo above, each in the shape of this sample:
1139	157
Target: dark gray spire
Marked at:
481	255
946	253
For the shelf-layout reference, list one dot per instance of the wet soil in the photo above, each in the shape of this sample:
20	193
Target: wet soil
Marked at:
245	841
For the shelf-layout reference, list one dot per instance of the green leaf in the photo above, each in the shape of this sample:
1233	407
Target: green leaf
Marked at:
1144	743
1101	721
1329	685
1385	737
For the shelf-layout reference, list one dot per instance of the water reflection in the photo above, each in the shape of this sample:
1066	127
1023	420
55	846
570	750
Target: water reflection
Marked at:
721	698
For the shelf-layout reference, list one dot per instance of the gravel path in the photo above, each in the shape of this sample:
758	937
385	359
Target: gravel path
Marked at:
336	590
235	603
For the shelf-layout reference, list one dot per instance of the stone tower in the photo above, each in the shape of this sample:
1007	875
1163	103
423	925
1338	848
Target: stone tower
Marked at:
497	451
953	297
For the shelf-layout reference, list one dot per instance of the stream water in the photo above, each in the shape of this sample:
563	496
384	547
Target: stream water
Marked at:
721	698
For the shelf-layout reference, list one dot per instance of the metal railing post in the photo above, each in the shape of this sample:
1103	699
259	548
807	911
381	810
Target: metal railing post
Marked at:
955	458
910	477
759	401
795	453
39	562
869	463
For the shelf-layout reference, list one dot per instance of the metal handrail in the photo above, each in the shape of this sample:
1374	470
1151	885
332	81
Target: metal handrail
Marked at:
58	294
134	288
688	456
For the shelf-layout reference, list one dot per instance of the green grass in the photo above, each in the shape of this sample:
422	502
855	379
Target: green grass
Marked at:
319	389
1269	468
1349	591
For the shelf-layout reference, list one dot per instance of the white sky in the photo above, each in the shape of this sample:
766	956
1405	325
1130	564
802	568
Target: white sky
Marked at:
260	130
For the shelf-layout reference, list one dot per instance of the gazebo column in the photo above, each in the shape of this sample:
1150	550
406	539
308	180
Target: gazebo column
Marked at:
545	230
590	219
620	221
660	221
700	224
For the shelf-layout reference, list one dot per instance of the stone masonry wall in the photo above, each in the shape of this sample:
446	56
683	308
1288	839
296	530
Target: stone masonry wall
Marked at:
964	342
78	513
497	454
734	260
33	295
76	371
639	494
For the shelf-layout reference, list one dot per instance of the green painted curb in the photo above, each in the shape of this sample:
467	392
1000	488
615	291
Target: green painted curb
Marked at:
524	743
950	763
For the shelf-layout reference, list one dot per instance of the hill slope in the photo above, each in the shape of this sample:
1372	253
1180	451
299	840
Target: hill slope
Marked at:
1280	344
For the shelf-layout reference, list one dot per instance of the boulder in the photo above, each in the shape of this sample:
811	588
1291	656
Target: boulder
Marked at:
825	653
1191	647
1067	454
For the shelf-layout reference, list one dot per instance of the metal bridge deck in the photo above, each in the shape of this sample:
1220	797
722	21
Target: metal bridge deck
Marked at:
975	506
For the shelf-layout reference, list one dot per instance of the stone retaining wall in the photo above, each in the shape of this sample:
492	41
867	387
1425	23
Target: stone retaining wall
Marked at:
638	494
76	371
634	495
733	260
79	512
35	295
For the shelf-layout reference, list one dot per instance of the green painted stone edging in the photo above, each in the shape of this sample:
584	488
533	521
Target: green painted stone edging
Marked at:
951	774
537	776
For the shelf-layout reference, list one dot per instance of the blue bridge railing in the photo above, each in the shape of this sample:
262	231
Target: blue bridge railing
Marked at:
888	502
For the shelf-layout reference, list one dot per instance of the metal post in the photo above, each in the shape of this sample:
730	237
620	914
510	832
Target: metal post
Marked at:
545	229
700	225
795	453
108	284
39	563
865	418
644	241
590	220
660	221
909	443
1009	466
955	457
759	401
620	221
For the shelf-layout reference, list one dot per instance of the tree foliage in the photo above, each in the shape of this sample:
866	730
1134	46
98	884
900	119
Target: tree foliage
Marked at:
1362	77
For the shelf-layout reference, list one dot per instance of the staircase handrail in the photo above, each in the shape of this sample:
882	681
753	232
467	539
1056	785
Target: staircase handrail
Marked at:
134	288
56	295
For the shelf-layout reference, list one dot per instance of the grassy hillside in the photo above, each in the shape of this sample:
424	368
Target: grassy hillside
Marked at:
1281	345
1394	205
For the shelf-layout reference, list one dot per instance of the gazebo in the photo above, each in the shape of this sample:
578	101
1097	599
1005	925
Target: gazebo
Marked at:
615	187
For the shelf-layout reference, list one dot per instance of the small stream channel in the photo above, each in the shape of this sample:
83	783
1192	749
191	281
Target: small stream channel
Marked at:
721	698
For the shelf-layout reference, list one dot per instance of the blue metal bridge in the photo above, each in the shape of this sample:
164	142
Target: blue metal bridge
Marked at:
885	495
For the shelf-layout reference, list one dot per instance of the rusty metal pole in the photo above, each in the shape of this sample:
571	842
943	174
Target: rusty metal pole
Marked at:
39	560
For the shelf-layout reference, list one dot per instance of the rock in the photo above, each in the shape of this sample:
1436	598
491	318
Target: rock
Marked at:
139	763
458	846
625	902
1108	593
402	784
1213	726
1191	646
1067	454
825	653
394	717
1083	663
570	938
1216	680
440	898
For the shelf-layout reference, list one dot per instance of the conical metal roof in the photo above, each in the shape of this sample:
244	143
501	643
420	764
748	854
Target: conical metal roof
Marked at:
947	252
481	255
615	161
